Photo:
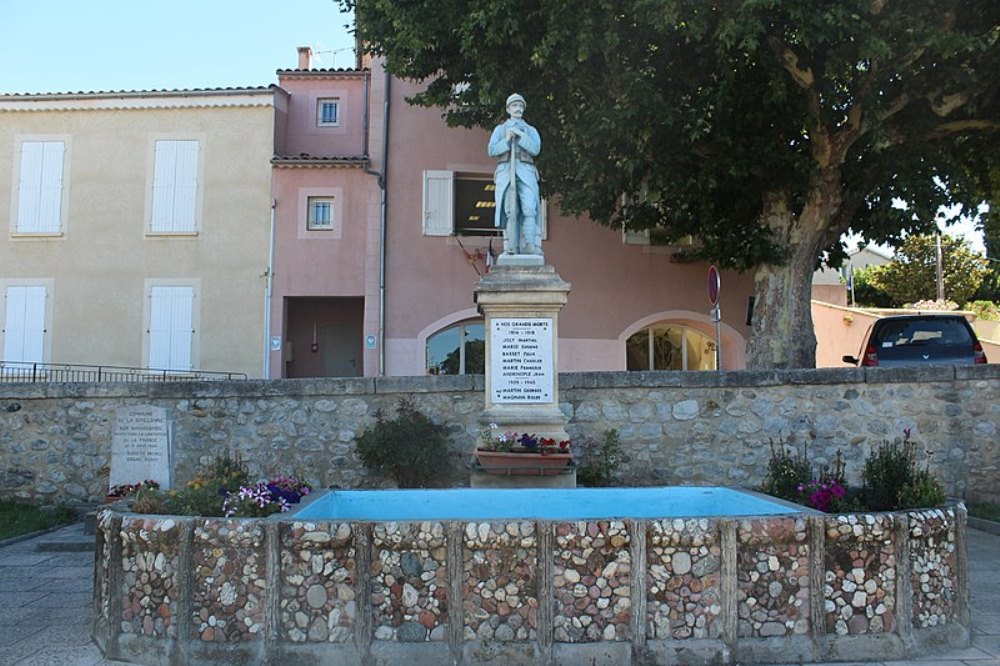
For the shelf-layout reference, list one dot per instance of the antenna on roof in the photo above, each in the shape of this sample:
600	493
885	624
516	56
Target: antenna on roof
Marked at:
333	60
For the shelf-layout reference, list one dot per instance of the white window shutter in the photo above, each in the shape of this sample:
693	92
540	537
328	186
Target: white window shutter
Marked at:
186	186
40	187
175	186
24	328
171	311
439	203
49	212
163	186
30	187
159	327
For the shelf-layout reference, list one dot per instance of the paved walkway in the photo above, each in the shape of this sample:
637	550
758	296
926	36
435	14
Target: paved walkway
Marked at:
46	582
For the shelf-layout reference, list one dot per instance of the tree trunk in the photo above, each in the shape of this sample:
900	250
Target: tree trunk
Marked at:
782	334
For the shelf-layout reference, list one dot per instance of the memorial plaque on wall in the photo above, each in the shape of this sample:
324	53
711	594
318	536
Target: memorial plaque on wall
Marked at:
140	446
521	360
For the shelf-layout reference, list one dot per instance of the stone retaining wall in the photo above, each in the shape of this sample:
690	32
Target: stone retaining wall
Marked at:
794	588
702	428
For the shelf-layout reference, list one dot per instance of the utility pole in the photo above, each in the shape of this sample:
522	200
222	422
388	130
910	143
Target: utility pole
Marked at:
940	267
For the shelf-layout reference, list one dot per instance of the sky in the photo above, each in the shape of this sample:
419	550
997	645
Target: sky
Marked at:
102	45
105	45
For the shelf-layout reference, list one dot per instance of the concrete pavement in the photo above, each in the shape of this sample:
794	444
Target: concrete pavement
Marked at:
46	584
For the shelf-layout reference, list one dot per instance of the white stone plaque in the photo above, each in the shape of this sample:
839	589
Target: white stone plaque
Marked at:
140	446
521	361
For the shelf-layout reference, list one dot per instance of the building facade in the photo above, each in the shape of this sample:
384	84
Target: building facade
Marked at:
390	277
321	227
135	228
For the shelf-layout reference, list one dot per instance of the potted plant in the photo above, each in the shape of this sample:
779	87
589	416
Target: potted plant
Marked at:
512	454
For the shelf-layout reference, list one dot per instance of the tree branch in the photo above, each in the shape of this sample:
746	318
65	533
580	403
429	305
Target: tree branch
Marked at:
804	77
962	127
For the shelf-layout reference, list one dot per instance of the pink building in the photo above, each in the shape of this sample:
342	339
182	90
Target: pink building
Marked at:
370	280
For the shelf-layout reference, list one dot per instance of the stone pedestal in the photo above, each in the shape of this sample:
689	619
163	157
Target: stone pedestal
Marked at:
521	305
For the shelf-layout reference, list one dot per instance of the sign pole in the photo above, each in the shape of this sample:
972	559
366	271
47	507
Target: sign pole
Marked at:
714	285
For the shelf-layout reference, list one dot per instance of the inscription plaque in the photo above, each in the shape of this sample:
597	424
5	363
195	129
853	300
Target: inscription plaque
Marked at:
521	360
140	446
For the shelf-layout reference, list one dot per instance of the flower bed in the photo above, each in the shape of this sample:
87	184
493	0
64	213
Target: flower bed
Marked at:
869	586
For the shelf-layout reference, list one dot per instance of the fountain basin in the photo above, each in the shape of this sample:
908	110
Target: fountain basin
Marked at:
779	587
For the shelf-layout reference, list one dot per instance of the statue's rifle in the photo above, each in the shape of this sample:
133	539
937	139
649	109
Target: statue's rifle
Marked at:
513	229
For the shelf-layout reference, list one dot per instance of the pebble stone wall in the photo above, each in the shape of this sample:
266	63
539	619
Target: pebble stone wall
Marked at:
695	428
806	587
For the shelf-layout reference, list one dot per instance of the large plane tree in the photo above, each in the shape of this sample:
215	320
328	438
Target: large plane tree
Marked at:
765	128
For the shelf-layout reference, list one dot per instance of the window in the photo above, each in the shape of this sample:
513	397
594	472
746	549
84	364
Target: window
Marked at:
24	323
328	112
175	187
320	214
666	347
40	190
475	208
171	327
459	350
463	204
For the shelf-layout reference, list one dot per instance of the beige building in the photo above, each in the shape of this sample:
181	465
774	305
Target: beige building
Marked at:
131	223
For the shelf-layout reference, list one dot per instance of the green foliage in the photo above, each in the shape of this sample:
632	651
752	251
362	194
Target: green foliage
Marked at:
912	276
867	295
205	493
18	518
153	500
786	471
923	490
986	310
598	461
224	471
765	129
410	448
989	290
892	480
985	510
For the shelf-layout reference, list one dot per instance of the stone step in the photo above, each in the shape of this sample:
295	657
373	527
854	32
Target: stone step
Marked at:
71	539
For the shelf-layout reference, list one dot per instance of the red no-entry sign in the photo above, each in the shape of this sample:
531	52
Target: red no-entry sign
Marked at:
713	285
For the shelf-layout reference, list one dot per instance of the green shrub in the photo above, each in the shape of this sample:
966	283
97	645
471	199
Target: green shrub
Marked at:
786	471
892	480
410	448
923	490
598	461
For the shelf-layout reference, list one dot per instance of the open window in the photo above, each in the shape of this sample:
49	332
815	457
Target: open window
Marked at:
460	204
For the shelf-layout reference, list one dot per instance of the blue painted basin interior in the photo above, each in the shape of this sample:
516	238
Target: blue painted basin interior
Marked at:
540	504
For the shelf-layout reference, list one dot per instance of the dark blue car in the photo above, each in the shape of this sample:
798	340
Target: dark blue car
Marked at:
945	339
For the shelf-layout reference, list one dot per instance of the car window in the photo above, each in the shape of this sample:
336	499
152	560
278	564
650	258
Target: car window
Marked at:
922	333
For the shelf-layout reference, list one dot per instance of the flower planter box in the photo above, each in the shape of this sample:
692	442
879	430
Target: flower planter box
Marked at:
523	464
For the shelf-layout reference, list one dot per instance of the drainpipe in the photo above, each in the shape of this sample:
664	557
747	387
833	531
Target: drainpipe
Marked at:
268	288
381	178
